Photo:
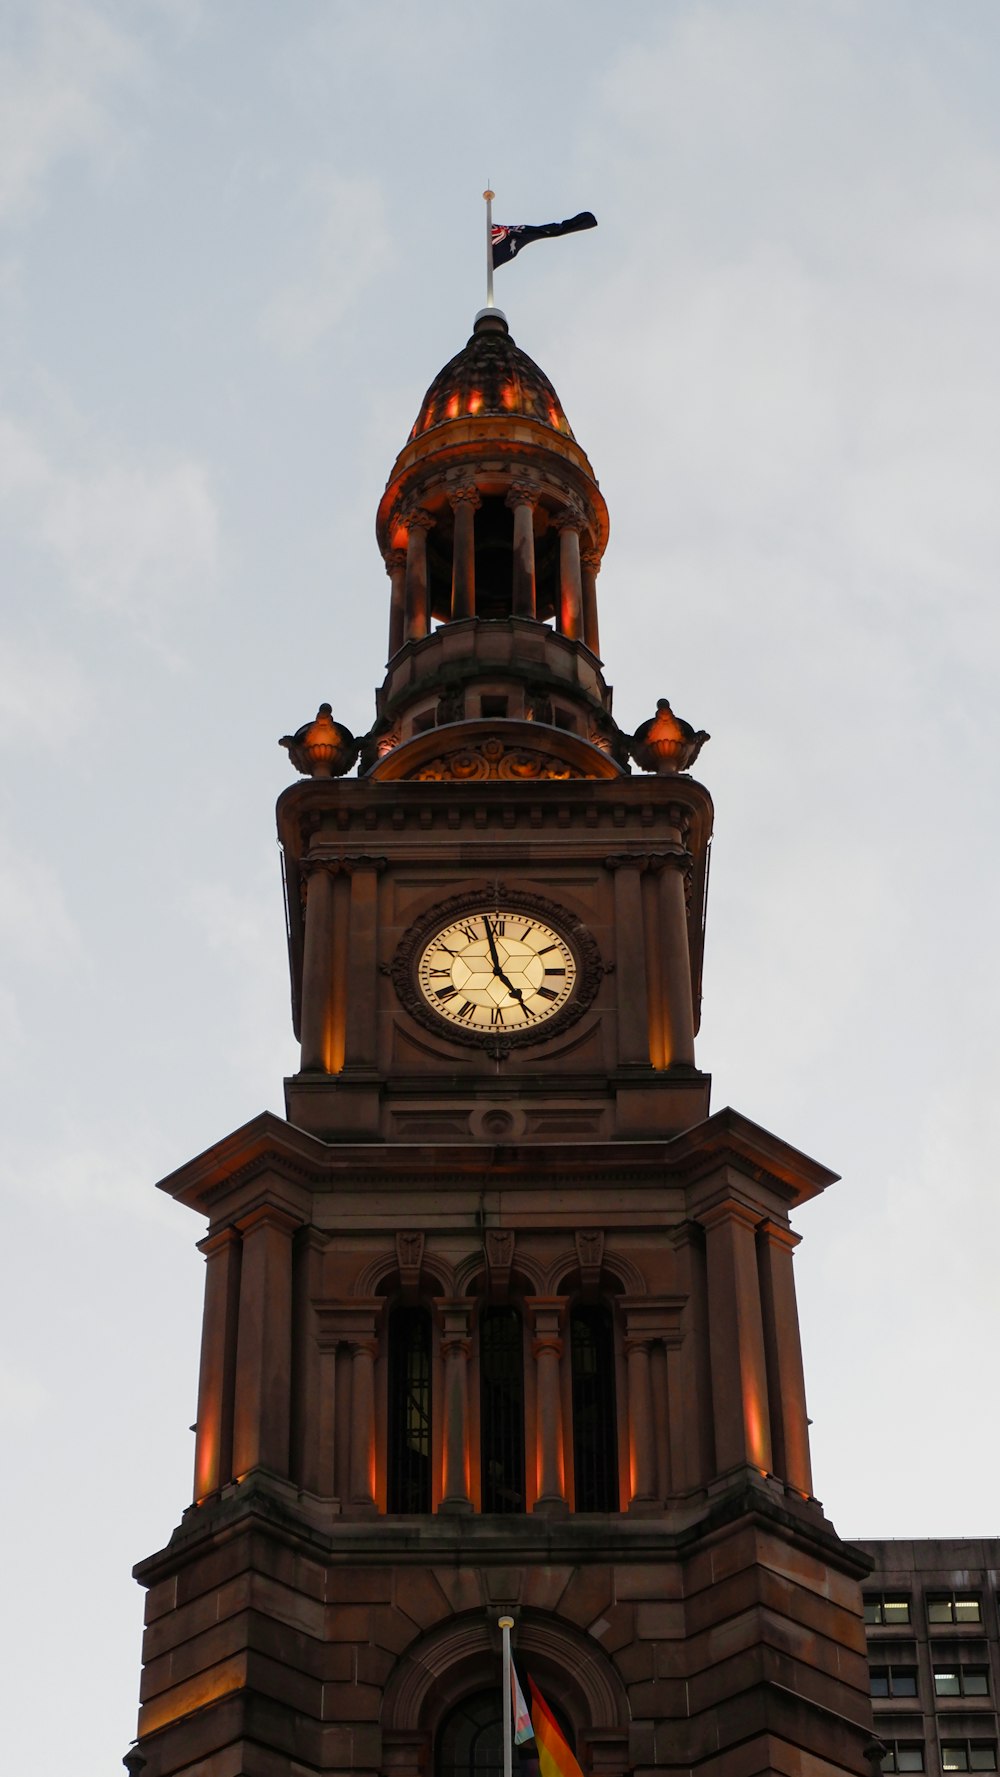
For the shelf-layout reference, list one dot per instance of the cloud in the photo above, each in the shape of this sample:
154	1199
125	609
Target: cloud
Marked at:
35	921
45	699
22	1396
129	539
348	246
56	94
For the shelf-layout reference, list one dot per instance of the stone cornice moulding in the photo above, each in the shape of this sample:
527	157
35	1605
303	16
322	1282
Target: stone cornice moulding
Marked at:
286	1163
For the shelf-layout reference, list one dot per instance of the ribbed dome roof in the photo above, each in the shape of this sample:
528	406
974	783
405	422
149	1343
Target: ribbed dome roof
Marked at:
490	375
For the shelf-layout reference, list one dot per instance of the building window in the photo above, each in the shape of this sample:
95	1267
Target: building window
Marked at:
903	1755
409	1410
595	1440
961	1681
886	1607
954	1607
894	1681
470	1740
969	1755
501	1410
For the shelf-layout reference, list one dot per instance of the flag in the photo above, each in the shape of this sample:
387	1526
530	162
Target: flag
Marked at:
522	1721
554	1756
509	238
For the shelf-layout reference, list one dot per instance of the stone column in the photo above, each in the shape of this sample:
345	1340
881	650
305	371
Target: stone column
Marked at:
783	1351
455	1348
261	1409
642	1447
352	1324
651	923
569	525
314	1373
547	1349
675	957
590	565
363	1354
652	1330
465	503
736	1338
689	1369
521	498
417	619
362	963
395	567
630	974
317	967
213	1456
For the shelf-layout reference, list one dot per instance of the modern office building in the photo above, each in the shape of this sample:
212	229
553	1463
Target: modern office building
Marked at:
931	1618
500	1318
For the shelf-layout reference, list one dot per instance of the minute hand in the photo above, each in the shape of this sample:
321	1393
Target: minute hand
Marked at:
497	970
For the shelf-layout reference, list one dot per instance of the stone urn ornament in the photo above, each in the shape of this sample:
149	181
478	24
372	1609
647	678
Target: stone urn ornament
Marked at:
666	743
322	748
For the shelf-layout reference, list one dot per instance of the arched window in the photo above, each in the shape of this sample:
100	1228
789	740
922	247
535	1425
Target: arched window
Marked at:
501	1410
595	1437
470	1739
409	1454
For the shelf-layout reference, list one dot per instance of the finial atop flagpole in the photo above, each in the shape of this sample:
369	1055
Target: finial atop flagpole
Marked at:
489	196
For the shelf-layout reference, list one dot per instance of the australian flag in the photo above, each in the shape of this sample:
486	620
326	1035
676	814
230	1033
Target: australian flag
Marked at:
510	239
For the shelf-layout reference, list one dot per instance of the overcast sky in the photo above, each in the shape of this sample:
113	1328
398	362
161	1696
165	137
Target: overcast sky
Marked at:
238	240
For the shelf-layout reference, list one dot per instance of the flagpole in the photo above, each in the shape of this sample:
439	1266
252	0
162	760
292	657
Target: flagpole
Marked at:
489	196
506	1625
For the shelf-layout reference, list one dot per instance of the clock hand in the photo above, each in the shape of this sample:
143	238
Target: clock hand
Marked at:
497	970
491	941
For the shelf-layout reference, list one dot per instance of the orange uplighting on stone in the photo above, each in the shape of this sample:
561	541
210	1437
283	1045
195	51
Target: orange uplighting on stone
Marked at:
195	1693
451	411
508	396
207	1477
475	402
754	1422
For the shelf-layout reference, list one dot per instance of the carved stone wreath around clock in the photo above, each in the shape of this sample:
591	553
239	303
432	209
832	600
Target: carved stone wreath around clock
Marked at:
497	1041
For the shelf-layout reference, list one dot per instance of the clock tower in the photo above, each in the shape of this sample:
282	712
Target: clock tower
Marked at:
500	1319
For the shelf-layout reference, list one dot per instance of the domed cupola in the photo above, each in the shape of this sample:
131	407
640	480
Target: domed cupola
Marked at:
491	375
492	528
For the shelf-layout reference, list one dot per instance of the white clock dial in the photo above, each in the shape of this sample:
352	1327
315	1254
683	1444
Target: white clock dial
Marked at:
495	970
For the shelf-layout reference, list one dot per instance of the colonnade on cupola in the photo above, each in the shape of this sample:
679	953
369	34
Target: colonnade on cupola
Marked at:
500	1317
497	518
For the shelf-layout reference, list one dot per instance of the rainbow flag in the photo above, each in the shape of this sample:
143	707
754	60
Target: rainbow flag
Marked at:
554	1756
522	1721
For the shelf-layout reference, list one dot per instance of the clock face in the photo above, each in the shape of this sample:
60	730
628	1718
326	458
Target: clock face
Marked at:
496	969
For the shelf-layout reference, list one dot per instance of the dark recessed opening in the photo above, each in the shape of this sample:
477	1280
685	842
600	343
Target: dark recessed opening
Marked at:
494	558
493	706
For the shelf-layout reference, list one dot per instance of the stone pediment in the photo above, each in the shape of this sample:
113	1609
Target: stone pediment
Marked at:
471	752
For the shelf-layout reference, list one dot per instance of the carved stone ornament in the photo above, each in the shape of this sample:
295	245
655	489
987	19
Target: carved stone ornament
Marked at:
590	1253
492	760
409	1257
322	748
498	1244
666	743
590	967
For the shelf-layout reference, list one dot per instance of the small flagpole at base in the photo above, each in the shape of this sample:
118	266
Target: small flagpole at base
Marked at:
506	1625
489	196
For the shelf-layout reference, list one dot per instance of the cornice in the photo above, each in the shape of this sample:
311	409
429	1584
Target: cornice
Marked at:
302	1164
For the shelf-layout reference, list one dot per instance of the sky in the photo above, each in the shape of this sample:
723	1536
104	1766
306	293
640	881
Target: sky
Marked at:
237	241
